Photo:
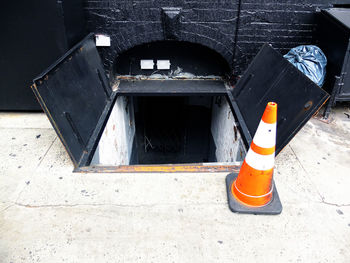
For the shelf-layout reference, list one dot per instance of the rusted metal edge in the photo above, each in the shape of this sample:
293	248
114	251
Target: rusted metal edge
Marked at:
58	62
116	83
144	77
166	168
242	127
53	123
171	88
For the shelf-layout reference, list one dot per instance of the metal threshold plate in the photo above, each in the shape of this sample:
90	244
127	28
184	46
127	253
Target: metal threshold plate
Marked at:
171	87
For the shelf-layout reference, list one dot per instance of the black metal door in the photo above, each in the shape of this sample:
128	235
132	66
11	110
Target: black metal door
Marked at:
270	77
75	94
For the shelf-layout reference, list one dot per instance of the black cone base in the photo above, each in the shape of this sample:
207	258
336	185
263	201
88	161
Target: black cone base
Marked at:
272	208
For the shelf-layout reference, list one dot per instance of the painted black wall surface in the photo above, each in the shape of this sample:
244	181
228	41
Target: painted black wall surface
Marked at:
213	23
74	20
33	35
283	23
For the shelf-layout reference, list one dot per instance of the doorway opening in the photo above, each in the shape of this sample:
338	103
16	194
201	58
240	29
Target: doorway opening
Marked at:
144	130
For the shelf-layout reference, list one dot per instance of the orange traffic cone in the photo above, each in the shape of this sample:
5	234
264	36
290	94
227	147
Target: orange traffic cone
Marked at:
252	190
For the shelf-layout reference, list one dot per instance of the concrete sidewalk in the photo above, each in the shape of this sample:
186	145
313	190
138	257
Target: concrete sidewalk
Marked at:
49	214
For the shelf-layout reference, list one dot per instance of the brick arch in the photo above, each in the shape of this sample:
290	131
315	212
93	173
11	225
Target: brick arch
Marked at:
130	23
225	48
136	35
128	36
192	57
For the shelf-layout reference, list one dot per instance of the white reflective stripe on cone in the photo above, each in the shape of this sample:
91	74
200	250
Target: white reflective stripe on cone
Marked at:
260	162
265	135
253	196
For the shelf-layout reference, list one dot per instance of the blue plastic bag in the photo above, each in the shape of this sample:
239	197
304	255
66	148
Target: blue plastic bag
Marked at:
310	60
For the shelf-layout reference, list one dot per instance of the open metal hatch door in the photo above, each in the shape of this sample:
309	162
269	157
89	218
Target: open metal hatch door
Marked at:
270	77
76	96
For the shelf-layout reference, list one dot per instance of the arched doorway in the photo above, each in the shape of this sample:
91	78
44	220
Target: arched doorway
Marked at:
171	59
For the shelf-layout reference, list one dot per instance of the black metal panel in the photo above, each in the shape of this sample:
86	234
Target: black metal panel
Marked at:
272	78
76	96
171	87
345	90
341	15
334	40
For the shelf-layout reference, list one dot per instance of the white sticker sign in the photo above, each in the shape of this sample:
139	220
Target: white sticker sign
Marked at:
163	64
146	63
102	40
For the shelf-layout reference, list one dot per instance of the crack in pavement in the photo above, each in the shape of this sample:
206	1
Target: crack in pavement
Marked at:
332	204
107	204
318	192
20	192
7	207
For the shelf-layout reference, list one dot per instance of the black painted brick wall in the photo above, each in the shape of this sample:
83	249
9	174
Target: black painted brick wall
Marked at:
132	22
283	23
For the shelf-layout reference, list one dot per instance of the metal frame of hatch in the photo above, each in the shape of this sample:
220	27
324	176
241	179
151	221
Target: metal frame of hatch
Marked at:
163	168
77	97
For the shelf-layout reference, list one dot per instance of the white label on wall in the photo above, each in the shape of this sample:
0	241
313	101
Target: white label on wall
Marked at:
163	64
102	40
146	64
